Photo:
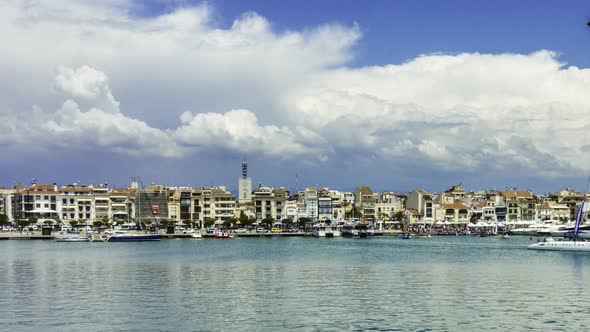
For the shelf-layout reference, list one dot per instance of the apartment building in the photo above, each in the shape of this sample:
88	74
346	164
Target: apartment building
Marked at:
212	203
37	201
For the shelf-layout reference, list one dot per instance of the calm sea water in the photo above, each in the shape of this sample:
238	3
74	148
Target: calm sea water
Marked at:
383	283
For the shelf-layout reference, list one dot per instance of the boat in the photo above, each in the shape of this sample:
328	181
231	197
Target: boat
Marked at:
575	244
563	245
219	234
358	229
325	230
196	235
122	235
71	238
504	236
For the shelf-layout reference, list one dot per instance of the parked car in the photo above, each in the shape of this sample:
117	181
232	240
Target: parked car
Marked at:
276	230
241	231
211	230
261	230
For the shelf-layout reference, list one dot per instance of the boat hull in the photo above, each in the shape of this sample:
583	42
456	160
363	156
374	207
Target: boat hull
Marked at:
134	238
561	246
66	239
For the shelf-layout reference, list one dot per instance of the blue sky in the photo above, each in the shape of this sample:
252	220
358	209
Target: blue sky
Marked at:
390	94
395	31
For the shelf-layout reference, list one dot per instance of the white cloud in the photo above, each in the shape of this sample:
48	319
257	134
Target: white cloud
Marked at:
284	95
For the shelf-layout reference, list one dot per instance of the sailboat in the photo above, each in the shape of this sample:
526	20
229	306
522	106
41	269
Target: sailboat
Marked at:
121	235
567	245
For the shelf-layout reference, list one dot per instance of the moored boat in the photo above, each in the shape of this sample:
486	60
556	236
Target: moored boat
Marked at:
71	238
125	236
325	230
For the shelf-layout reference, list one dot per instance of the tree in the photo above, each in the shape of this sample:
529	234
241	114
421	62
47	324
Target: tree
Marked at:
399	216
209	222
287	223
303	221
32	220
243	219
97	223
105	220
4	219
267	221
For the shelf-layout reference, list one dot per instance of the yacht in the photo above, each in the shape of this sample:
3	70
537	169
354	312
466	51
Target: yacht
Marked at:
358	229
71	238
121	235
325	230
552	244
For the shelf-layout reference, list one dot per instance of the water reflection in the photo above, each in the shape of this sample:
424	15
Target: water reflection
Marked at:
290	284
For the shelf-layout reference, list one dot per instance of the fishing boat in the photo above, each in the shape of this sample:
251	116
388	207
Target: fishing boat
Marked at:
360	229
575	244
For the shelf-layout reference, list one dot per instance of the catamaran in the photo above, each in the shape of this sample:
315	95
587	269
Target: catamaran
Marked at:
576	244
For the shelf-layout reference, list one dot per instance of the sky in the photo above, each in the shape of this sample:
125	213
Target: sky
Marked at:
391	94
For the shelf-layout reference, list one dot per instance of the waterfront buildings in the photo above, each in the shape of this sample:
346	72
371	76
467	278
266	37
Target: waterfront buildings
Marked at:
98	204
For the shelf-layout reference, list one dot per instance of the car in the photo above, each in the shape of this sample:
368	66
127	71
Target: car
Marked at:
261	230
211	230
276	230
241	231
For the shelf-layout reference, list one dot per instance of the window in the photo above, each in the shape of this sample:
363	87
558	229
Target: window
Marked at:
45	197
38	205
37	196
64	201
46	205
71	201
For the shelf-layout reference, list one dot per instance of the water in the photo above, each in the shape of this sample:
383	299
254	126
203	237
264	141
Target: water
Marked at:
270	284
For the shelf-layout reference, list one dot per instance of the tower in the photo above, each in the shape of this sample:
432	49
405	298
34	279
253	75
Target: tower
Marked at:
244	185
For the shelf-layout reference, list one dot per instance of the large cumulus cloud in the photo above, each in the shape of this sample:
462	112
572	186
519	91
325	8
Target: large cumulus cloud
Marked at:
180	85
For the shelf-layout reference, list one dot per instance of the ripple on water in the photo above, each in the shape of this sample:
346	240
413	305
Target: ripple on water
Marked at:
381	284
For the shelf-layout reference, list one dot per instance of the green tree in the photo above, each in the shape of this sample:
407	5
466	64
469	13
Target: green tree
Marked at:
4	219
105	220
97	223
209	222
303	221
399	216
32	220
243	219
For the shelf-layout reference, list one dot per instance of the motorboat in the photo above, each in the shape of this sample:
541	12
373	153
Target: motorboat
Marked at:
71	238
325	230
196	235
219	234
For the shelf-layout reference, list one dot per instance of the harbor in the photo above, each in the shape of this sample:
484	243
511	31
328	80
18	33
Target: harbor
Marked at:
440	283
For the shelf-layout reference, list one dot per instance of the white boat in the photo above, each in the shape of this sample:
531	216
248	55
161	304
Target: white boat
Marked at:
196	235
552	244
325	230
71	238
566	245
357	229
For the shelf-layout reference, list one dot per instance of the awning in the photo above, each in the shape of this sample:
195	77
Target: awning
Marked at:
120	213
